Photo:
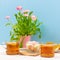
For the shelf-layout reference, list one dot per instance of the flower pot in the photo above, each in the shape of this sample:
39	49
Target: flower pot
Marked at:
23	40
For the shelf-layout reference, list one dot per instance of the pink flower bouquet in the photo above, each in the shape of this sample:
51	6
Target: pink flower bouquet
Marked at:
26	24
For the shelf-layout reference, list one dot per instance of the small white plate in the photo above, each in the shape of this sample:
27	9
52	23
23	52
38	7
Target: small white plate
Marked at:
25	51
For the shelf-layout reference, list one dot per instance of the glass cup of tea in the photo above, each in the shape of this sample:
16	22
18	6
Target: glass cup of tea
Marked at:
47	50
12	48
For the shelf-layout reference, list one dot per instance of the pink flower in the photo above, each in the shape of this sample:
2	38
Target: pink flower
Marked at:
7	17
33	17
26	15
25	11
19	7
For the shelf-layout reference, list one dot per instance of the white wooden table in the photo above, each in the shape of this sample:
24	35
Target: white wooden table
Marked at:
3	56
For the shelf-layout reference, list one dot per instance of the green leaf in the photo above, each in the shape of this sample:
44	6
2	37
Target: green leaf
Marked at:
12	36
21	45
8	24
38	29
15	16
10	33
31	13
39	36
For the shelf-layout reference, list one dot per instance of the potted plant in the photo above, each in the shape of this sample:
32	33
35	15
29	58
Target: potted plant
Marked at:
26	25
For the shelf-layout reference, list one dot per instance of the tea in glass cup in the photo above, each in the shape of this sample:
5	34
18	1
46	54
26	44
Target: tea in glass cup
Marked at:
47	50
12	48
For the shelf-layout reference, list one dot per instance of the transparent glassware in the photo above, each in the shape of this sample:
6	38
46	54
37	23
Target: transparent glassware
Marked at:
12	48
47	50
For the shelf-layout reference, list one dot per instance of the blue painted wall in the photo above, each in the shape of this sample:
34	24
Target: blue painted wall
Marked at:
48	11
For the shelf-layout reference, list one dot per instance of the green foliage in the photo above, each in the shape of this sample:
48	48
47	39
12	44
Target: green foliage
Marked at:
24	26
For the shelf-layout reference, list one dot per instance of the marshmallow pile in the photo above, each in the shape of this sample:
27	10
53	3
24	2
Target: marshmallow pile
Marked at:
32	45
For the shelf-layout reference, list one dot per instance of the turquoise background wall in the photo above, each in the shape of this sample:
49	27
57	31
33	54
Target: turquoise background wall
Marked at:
48	11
